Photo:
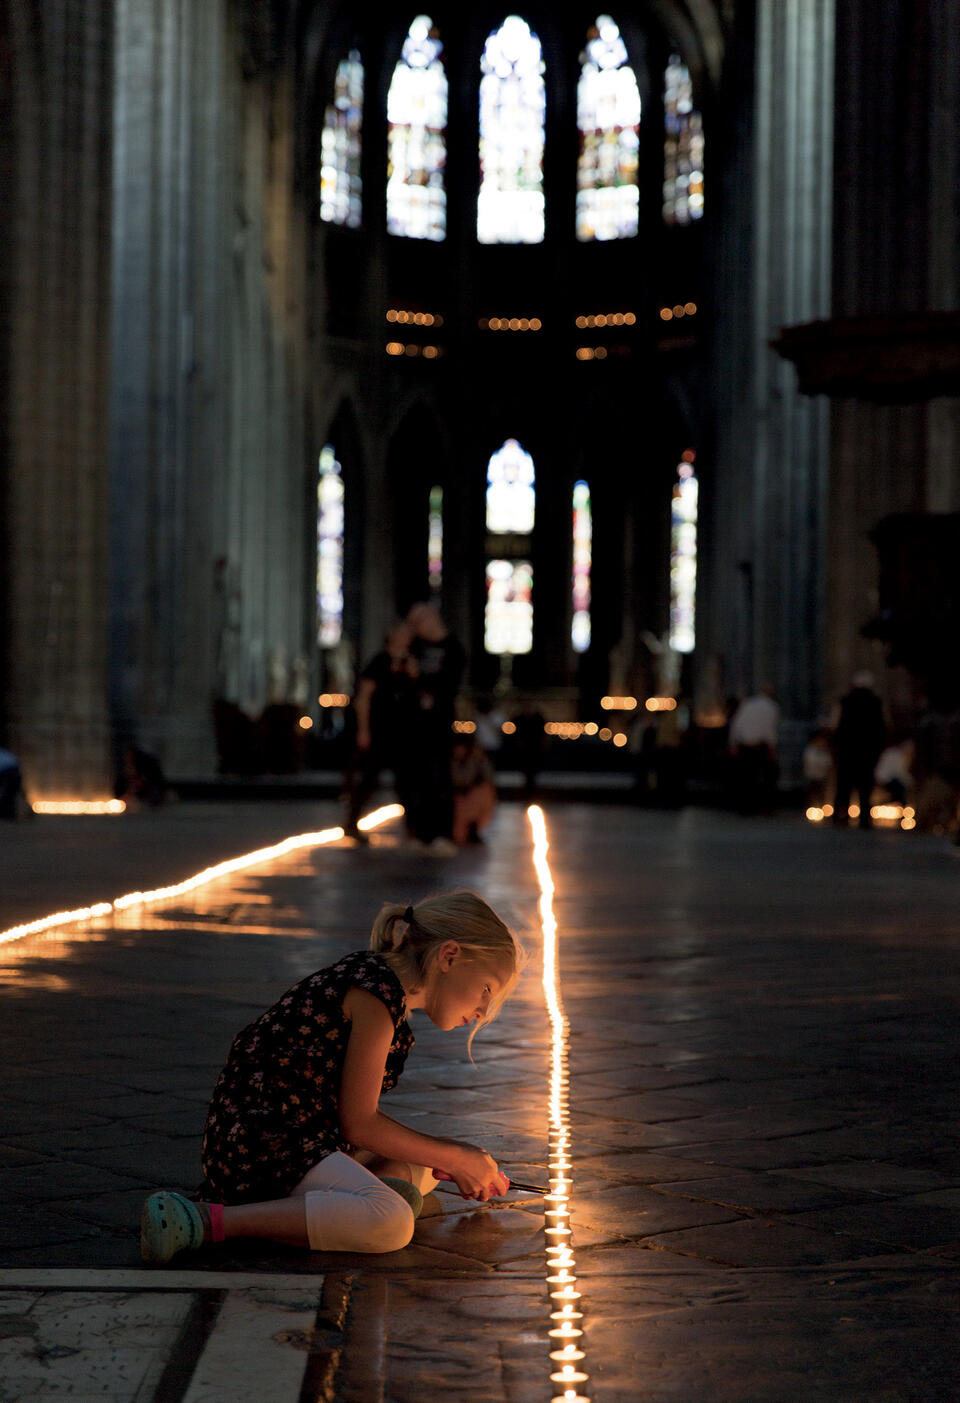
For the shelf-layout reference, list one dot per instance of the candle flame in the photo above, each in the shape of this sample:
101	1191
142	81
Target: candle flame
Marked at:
560	1259
59	919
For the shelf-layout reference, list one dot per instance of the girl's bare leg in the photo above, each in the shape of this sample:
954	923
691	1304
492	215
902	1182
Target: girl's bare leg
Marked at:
282	1220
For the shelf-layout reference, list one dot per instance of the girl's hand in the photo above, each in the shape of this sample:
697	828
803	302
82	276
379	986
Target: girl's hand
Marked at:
475	1173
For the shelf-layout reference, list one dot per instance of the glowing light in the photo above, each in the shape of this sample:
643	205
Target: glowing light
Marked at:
340	182
683	557
682	147
582	564
511	495
605	733
608	119
661	704
590	728
510	323
510	208
306	723
618	703
508	728
465	728
620	739
333	699
78	806
330	526
435	540
815	815
561	1275
200	879
416	141
508	614
853	811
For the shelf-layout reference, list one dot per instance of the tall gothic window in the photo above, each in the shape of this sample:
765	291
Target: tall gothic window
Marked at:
330	521
510	208
682	147
511	496
608	118
416	142
340	187
511	504
683	556
435	540
508	616
582	565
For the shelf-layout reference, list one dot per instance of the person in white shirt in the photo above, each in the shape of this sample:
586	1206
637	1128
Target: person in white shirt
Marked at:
753	746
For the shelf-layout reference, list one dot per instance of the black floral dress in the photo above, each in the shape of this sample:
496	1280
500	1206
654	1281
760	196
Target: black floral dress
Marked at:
273	1114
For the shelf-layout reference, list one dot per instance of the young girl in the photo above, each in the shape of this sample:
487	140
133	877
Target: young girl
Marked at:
296	1149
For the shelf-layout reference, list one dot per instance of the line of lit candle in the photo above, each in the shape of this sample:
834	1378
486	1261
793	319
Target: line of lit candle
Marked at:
59	919
566	1333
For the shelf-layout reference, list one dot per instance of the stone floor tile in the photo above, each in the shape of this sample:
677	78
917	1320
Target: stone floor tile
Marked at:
759	1242
760	1193
903	1222
868	1174
631	1211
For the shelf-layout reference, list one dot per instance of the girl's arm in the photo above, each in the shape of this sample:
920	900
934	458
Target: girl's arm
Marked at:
366	1126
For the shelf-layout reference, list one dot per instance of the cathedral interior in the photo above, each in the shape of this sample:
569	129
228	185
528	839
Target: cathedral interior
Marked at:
631	339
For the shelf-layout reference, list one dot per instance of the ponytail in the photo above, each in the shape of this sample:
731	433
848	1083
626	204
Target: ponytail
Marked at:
385	938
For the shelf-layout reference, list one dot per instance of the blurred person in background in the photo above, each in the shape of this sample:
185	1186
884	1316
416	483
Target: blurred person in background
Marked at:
385	711
754	737
858	740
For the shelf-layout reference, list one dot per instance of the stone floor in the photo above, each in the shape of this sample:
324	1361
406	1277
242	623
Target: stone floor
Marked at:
763	1048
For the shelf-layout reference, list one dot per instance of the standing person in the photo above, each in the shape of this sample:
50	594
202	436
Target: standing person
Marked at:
296	1149
858	740
754	735
817	766
440	661
529	742
384	707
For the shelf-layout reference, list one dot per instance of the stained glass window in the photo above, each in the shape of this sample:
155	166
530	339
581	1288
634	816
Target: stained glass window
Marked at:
508	617
416	143
340	187
435	541
512	105
683	556
582	563
511	496
329	549
608	118
682	147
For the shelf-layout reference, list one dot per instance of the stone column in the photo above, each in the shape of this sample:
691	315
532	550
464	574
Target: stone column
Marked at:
55	442
763	576
895	250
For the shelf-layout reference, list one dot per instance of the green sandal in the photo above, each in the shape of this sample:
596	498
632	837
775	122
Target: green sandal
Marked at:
169	1224
409	1192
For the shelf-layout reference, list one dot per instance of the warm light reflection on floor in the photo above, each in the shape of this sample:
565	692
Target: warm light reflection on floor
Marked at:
140	899
561	1276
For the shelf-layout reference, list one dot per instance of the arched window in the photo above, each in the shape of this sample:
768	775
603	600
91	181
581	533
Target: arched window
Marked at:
582	565
683	556
512	105
329	549
608	118
511	496
340	187
508	617
682	147
435	541
416	142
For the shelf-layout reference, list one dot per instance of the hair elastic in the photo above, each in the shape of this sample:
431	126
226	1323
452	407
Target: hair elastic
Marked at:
408	915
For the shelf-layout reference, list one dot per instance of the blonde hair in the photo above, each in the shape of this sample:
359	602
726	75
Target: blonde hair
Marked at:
462	916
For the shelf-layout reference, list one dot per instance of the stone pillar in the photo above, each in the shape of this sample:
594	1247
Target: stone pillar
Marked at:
55	441
762	582
895	250
209	541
